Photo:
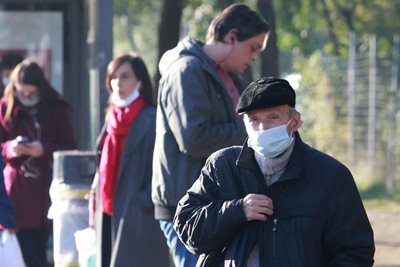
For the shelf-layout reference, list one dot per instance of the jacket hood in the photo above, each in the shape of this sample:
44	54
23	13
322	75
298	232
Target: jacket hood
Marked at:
187	46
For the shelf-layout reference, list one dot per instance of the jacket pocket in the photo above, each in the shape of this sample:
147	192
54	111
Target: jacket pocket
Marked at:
306	220
297	236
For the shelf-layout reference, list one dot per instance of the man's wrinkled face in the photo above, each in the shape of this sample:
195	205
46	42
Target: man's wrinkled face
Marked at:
267	118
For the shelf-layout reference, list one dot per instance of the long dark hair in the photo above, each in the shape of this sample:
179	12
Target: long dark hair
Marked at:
139	69
28	72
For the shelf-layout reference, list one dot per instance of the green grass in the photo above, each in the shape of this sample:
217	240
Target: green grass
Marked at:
370	183
376	197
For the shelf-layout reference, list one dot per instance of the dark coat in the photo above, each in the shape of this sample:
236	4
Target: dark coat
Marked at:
30	196
137	238
318	219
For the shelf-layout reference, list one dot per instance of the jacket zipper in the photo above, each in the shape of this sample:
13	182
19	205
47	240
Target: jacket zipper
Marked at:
273	237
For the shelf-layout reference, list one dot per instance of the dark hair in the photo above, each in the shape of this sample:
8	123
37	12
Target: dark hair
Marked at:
9	61
139	69
247	22
29	72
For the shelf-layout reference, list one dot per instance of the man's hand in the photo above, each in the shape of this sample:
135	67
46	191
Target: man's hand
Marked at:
257	207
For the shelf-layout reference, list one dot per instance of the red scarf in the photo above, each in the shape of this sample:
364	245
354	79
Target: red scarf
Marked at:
230	86
119	123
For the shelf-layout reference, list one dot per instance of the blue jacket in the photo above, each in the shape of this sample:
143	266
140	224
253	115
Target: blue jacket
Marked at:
6	210
318	220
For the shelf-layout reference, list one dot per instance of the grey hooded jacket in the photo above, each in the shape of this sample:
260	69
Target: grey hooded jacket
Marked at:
195	117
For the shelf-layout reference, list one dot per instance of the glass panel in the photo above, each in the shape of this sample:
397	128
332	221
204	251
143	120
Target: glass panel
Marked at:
37	35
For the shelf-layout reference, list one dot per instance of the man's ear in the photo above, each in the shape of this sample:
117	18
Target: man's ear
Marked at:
296	121
230	37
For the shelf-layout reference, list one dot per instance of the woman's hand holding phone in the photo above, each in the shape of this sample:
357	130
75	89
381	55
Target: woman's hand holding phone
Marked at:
22	146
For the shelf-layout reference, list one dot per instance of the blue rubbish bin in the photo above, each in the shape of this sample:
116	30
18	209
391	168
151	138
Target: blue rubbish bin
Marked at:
73	173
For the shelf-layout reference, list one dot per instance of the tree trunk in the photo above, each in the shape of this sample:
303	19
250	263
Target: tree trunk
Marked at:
347	12
168	29
331	27
126	24
270	56
390	182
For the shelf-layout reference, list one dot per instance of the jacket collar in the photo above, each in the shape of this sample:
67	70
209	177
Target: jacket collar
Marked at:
190	46
208	65
247	159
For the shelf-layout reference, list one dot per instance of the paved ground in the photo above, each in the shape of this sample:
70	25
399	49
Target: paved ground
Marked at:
386	227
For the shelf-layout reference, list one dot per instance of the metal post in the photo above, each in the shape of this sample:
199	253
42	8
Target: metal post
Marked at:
390	184
351	97
372	103
100	53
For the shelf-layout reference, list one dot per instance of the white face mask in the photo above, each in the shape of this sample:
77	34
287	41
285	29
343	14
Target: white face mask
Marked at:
123	103
28	101
271	142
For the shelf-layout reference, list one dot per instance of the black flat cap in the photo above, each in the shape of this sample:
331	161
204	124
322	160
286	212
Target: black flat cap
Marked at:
266	92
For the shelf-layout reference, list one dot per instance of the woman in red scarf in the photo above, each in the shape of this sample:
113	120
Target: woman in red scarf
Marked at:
127	232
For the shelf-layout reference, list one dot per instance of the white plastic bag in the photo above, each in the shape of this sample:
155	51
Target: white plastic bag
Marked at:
10	252
69	212
86	244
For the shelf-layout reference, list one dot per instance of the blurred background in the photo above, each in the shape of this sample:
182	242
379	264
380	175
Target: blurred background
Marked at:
341	56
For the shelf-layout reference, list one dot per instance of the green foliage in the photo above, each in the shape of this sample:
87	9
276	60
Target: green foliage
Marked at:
142	19
197	16
303	24
199	13
373	191
316	101
135	29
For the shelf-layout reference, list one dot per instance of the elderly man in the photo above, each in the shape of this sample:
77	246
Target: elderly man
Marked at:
275	201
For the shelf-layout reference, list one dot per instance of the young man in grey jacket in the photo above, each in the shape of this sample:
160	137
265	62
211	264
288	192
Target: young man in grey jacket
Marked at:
198	91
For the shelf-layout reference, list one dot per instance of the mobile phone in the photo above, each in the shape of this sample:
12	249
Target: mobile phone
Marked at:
22	140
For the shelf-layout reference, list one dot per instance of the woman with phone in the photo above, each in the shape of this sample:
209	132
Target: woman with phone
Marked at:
34	122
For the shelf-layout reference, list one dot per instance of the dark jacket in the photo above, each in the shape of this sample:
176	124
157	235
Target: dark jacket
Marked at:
6	211
318	218
137	238
195	117
30	196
